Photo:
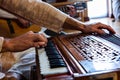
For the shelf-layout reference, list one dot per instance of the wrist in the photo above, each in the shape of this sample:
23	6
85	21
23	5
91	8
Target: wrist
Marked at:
5	46
74	24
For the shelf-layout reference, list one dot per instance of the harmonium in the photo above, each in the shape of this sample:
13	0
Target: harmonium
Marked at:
79	57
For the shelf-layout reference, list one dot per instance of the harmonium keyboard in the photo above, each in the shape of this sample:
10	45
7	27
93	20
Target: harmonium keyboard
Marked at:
79	57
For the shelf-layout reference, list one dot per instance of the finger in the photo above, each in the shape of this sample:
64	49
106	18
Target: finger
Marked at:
39	44
41	37
100	31
109	28
45	39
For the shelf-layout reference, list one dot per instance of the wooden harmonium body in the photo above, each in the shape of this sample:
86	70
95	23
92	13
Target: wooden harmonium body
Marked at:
80	57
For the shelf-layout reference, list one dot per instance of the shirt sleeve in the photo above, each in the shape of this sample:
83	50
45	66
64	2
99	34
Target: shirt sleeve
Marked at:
116	9
4	14
36	11
1	43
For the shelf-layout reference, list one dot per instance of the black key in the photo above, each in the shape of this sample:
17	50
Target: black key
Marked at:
50	48
50	44
52	52
56	60
54	57
57	65
54	63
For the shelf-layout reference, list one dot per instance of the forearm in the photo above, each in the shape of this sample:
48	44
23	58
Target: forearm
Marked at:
37	12
71	23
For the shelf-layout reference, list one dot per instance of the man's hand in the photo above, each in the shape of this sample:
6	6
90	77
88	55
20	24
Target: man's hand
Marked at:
24	42
97	28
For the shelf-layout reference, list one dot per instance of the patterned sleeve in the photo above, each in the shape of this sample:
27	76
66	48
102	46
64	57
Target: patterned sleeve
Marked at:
36	11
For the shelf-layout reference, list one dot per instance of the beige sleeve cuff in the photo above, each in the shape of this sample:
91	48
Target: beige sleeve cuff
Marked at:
4	14
1	43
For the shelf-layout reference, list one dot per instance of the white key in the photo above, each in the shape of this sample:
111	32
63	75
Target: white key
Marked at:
45	66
